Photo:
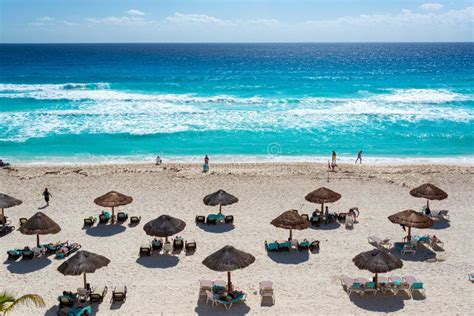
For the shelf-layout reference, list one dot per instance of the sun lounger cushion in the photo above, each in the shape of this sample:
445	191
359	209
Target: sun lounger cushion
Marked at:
273	246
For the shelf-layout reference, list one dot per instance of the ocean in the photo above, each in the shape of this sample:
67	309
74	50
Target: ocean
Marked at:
67	103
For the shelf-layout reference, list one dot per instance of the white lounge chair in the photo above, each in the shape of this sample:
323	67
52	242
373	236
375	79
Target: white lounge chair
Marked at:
387	285
265	285
441	214
266	290
367	286
204	285
379	243
351	285
221	283
401	285
349	222
210	298
415	284
167	248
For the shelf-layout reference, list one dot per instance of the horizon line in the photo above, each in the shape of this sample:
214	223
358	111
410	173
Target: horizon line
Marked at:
304	42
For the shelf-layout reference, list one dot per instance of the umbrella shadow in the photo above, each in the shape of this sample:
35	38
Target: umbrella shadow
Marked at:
53	311
105	230
329	226
7	231
27	266
440	225
290	257
160	261
216	229
380	304
422	254
202	308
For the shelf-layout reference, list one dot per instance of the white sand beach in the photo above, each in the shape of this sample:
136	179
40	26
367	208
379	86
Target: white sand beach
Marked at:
305	284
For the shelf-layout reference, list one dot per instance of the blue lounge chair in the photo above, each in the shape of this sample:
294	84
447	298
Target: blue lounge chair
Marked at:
14	254
104	217
284	246
273	246
304	245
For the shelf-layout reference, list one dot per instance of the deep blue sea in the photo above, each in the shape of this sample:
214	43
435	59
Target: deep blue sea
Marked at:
106	102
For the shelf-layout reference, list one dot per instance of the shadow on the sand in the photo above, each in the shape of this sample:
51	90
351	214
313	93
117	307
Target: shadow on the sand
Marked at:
378	303
217	229
27	266
422	254
160	261
53	311
329	226
291	257
7	231
105	230
202	308
116	305
440	225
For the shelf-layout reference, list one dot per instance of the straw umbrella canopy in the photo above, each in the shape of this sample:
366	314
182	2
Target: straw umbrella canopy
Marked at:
410	218
40	224
164	226
221	198
429	192
83	262
7	201
377	261
291	220
113	199
322	195
228	259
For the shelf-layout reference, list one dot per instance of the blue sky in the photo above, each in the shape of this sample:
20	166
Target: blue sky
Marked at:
235	21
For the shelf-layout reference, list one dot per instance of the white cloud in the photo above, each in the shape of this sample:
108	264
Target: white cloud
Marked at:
196	19
431	6
135	12
42	21
121	20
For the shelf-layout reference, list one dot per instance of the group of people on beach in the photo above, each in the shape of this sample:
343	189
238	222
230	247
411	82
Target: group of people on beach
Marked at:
333	164
205	166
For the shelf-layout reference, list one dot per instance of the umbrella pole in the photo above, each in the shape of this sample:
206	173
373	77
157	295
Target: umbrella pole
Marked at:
220	208
3	217
166	239
322	209
409	233
427	203
37	240
229	283
113	214
85	281
376	280
291	234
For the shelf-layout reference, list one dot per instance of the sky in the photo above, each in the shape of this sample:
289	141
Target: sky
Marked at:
91	21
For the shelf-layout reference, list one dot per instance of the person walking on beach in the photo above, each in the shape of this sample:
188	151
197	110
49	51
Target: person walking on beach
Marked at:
46	196
205	167
158	160
359	156
334	158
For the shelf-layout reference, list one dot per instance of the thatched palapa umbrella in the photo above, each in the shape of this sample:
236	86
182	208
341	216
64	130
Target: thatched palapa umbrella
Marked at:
228	259
322	195
410	218
221	198
7	201
291	220
164	226
429	192
113	199
39	224
377	261
83	262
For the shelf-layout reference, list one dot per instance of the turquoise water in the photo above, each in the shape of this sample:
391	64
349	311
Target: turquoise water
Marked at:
133	101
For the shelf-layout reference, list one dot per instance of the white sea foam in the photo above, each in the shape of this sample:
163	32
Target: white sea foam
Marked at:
99	109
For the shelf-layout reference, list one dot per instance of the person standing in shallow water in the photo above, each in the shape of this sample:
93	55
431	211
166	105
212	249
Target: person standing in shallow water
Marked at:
359	156
46	196
205	167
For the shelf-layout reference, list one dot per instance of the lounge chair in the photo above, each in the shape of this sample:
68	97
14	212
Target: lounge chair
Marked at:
405	247
315	220
204	285
341	217
220	283
351	285
178	244
82	294
229	219
369	287
470	277
104	217
386	285
23	220
68	250
294	243
145	250
78	311
190	246
156	244
273	246
134	220
379	243
304	245
440	215
349	222
400	285
228	304
314	245
265	285
27	253
200	219
266	290
210	220
210	298
436	243
89	221
421	238
305	216
98	294
67	299
14	254
415	284
122	216
284	246
5	228
167	248
119	294
51	248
